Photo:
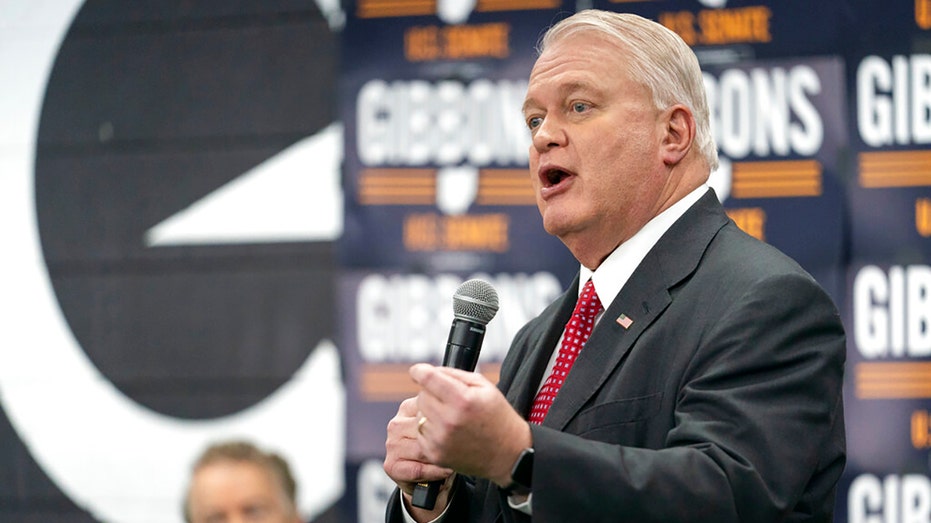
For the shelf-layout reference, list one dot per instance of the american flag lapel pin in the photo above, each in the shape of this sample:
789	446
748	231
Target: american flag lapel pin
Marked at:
624	321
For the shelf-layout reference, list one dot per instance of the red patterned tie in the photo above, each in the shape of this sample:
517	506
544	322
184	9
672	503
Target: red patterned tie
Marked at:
576	334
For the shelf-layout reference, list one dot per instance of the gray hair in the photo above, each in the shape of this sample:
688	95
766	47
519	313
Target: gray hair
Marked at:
658	58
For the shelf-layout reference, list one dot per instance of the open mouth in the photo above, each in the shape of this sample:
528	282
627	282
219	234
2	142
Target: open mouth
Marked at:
553	177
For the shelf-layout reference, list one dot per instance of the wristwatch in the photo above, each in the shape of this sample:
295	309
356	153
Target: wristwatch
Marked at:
521	474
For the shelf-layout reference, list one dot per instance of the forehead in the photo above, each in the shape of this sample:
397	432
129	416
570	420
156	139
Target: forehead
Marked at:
578	60
229	487
221	478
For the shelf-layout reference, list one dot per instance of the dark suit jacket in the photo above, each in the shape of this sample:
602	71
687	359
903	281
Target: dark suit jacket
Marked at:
720	403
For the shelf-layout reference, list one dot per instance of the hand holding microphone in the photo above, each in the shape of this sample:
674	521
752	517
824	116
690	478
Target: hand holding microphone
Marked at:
475	303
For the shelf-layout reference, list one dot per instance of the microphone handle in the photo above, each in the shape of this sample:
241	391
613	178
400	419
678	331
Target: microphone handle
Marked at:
462	350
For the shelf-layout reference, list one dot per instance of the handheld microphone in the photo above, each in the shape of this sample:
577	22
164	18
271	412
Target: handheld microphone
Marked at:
475	303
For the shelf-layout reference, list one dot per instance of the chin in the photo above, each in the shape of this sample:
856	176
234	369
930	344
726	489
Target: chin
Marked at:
558	229
560	220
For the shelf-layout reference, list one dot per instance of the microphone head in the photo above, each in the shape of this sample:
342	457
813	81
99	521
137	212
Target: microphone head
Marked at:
476	301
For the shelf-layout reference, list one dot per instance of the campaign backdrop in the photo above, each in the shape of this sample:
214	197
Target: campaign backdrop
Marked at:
248	219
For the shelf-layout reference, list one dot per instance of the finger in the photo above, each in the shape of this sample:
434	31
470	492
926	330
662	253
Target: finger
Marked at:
424	375
436	381
406	461
410	471
419	371
408	407
404	447
468	378
402	426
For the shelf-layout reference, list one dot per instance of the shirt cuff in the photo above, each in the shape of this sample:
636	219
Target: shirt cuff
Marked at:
520	504
410	519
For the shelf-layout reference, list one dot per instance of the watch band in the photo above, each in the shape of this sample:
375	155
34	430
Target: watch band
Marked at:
521	474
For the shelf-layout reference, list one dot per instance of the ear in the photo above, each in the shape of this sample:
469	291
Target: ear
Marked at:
679	134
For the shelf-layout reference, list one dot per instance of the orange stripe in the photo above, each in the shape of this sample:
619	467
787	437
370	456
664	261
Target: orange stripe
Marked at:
397	201
397	186
895	157
517	178
890	394
506	184
516	173
400	6
394	8
515	191
504	200
776	189
397	173
506	197
786	182
399	191
894	368
391	381
500	180
516	5
380	186
895	169
775	176
876	180
394	3
773	179
891	380
505	187
409	182
780	166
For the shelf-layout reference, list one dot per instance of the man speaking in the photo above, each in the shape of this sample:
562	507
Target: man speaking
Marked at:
690	374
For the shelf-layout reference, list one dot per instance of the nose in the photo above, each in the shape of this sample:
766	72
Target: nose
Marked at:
549	134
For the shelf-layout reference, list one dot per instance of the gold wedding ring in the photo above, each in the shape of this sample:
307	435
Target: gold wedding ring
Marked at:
420	422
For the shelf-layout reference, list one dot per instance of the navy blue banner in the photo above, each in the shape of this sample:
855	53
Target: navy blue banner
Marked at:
435	164
781	135
731	30
888	312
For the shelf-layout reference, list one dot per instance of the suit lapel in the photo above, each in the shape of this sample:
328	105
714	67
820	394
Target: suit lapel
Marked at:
523	389
606	347
642	299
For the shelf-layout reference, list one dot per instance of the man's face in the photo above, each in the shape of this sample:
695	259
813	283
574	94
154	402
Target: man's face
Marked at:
238	491
595	161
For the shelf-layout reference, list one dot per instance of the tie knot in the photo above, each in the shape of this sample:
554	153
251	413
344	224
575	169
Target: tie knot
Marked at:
588	305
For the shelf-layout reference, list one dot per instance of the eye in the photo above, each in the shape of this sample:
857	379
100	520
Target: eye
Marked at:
534	121
257	512
580	107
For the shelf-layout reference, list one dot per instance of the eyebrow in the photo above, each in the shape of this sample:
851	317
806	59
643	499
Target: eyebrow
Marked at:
565	91
528	103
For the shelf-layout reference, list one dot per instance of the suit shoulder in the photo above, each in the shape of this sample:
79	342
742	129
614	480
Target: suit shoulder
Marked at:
742	255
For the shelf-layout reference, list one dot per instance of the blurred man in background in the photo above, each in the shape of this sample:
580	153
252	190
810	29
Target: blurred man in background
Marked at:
236	482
